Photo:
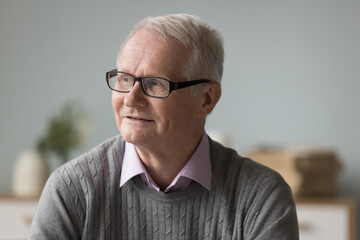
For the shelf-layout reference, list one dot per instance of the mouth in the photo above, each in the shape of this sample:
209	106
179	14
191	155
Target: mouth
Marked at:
132	118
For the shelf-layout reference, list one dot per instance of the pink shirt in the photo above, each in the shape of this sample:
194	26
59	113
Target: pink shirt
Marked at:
198	168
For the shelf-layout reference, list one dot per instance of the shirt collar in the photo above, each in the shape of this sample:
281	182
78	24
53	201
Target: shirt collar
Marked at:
131	165
198	168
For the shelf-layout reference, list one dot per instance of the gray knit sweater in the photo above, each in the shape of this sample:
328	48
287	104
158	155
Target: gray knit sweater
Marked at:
83	200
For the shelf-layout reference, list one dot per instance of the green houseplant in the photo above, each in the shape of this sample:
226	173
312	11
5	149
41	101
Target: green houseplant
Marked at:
64	131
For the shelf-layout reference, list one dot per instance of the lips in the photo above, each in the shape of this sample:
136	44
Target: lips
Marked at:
135	116
138	119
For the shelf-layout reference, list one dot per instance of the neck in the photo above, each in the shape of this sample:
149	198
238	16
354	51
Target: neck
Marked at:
163	163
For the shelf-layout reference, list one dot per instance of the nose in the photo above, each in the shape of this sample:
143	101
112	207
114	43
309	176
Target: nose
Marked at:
136	97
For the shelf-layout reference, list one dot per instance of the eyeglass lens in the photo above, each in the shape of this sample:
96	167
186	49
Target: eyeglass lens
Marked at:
152	86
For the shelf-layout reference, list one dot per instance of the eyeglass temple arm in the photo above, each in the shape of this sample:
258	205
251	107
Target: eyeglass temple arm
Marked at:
179	85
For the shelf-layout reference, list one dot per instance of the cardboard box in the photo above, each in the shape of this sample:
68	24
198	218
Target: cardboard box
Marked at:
309	170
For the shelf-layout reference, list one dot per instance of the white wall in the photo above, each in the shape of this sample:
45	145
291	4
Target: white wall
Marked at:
291	71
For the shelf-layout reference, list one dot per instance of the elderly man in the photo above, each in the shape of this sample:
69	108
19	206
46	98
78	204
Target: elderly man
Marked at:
163	177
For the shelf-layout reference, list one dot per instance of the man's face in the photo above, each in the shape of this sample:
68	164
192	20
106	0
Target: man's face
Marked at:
144	120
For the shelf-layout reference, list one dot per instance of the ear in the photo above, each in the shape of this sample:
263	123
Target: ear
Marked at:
210	95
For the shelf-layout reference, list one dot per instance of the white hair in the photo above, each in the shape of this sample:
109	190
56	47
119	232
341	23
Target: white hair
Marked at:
207	57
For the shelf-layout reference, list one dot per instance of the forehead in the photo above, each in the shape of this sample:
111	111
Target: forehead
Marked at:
144	54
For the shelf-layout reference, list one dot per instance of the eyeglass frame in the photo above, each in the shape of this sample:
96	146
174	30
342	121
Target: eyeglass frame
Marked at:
172	85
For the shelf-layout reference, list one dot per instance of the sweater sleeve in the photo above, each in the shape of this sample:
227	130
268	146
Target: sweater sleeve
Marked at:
273	212
57	216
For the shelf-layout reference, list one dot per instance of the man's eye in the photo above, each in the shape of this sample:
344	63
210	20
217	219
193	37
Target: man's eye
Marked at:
154	83
124	79
149	82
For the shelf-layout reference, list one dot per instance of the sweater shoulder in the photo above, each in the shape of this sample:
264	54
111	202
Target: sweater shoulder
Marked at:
92	170
110	149
253	185
228	162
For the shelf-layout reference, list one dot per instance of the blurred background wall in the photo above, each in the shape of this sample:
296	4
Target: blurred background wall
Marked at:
291	71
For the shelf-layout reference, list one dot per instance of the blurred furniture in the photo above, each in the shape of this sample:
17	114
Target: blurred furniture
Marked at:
311	173
326	219
309	170
15	217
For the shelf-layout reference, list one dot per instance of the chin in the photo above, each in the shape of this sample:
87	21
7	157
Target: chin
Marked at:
135	137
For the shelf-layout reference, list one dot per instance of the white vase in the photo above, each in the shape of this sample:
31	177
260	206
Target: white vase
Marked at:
30	174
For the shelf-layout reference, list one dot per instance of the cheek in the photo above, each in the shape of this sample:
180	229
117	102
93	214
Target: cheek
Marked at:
184	114
117	101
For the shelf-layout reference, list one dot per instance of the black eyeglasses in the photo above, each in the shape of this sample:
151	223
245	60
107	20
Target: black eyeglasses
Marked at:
158	87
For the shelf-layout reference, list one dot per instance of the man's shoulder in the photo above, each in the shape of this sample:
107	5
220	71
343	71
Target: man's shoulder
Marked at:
229	161
242	175
104	158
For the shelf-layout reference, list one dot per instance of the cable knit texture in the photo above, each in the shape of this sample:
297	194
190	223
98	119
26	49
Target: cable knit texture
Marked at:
83	200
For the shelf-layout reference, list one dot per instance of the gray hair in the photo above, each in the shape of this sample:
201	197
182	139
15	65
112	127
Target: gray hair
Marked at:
206	43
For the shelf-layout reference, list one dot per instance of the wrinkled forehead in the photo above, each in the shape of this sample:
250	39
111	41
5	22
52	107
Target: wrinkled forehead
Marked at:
145	54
